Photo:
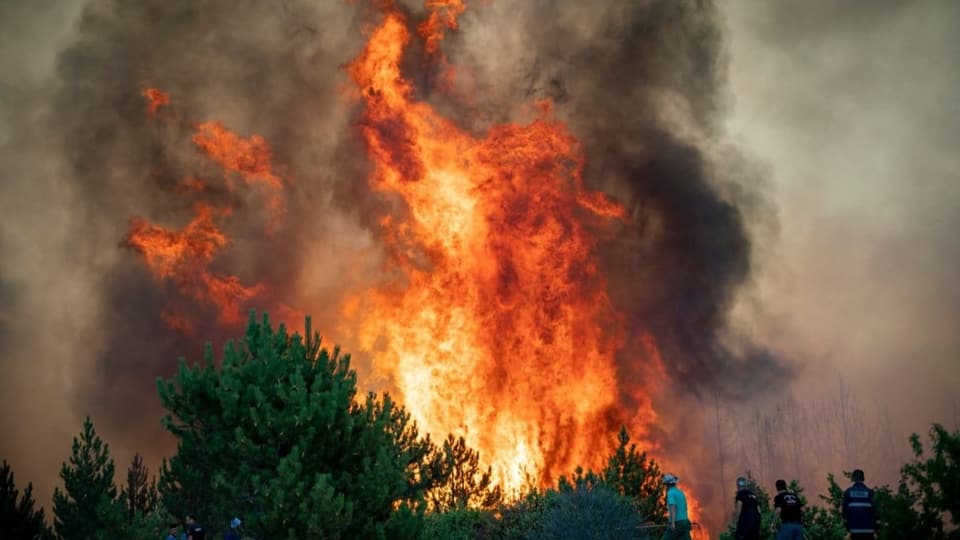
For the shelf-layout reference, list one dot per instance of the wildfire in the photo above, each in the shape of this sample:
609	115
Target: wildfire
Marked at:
155	100
493	320
184	256
250	158
499	326
443	16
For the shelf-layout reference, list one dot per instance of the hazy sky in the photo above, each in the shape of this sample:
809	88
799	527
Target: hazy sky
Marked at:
853	108
849	110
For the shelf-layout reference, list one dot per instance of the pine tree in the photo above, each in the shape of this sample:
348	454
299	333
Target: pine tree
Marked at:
140	502
276	435
465	484
635	476
18	519
87	507
139	496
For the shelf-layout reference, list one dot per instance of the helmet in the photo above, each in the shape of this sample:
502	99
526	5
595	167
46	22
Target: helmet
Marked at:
234	523
670	479
741	482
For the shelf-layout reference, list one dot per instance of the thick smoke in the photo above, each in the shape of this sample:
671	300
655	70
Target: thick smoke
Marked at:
853	105
81	318
642	84
264	68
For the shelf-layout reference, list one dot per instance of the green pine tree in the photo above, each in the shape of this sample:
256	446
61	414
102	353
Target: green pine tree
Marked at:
466	484
18	518
139	496
275	435
140	501
87	508
635	476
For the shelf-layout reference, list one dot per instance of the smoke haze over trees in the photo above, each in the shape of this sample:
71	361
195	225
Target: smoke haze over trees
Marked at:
720	205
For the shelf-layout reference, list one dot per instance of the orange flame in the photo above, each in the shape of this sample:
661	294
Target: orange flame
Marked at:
155	100
494	321
498	327
184	256
248	157
443	16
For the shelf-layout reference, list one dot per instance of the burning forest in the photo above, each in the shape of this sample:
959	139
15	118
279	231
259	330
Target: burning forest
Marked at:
557	239
507	298
521	227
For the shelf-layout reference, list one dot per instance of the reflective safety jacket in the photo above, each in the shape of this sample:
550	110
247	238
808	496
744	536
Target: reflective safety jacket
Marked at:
859	513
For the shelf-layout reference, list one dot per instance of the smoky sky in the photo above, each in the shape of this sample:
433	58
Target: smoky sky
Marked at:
81	318
852	109
672	101
641	84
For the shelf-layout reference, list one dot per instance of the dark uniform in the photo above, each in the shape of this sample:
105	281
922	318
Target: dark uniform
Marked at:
791	516
195	532
748	522
859	513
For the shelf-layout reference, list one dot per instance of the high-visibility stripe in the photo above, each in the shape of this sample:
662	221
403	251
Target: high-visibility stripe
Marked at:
860	531
859	505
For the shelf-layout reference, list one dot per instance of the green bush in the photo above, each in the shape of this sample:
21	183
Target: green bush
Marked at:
588	511
519	519
460	524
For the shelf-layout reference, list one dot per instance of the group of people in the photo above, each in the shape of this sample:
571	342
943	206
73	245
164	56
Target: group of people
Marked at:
192	530
858	511
859	514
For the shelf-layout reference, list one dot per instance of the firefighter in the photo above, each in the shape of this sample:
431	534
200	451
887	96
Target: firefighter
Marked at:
791	513
859	513
747	512
679	526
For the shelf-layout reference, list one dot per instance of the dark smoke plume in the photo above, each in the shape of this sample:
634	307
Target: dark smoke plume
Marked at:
268	68
641	83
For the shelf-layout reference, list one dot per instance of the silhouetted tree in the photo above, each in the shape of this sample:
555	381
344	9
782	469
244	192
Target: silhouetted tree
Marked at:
18	518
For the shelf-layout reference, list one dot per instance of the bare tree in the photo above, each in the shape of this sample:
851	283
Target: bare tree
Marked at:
720	452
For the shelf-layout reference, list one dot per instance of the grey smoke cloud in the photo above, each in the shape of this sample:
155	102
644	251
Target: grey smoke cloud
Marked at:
685	110
642	85
80	158
853	107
